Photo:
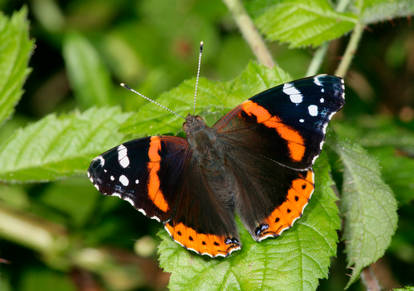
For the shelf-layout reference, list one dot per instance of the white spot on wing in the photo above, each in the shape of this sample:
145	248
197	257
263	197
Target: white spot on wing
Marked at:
124	180
316	81
301	120
136	181
322	100
123	156
101	160
112	178
294	94
313	110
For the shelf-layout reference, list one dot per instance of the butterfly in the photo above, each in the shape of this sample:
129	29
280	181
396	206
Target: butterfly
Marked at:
255	161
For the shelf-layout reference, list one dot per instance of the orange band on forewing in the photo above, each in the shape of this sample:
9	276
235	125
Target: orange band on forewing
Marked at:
211	244
295	140
292	208
154	191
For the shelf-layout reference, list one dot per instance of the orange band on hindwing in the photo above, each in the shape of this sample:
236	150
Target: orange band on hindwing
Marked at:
204	244
292	208
154	191
295	140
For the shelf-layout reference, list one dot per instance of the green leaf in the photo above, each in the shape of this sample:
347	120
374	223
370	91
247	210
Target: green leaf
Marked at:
406	288
65	195
41	279
368	205
59	146
383	10
87	74
214	99
398	172
304	23
294	261
5	283
377	132
15	50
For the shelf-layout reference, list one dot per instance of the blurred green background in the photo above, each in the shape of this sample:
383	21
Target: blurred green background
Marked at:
153	46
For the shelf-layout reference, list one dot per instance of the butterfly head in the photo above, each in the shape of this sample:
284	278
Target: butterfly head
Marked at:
193	124
200	136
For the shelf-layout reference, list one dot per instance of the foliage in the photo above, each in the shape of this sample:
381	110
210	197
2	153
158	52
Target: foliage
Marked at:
15	51
59	146
302	23
55	229
363	193
90	79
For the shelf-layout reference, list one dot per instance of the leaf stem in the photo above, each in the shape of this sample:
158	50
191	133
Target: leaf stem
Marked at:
317	60
350	50
321	51
250	33
59	251
369	280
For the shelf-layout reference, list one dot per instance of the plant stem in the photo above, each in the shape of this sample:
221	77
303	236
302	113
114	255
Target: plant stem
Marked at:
341	6
39	235
369	280
350	50
321	51
250	33
317	60
58	250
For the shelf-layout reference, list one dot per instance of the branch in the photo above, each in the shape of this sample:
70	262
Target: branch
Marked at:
350	50
321	51
369	280
317	60
60	251
250	32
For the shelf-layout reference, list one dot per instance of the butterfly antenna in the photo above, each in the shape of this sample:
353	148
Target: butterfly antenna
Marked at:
198	73
150	100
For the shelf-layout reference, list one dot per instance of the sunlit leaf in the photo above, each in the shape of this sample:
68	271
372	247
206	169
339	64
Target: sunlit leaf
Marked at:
15	49
384	10
406	288
368	205
303	23
59	146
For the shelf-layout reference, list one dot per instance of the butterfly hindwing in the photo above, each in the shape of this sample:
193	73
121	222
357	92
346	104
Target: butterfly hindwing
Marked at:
202	222
271	196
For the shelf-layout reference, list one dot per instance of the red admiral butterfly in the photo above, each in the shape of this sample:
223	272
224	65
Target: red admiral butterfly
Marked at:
255	161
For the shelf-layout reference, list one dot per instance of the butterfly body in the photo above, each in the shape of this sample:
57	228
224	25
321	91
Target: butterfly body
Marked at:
256	161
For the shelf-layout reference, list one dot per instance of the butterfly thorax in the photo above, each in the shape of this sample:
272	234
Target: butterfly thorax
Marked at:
203	142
